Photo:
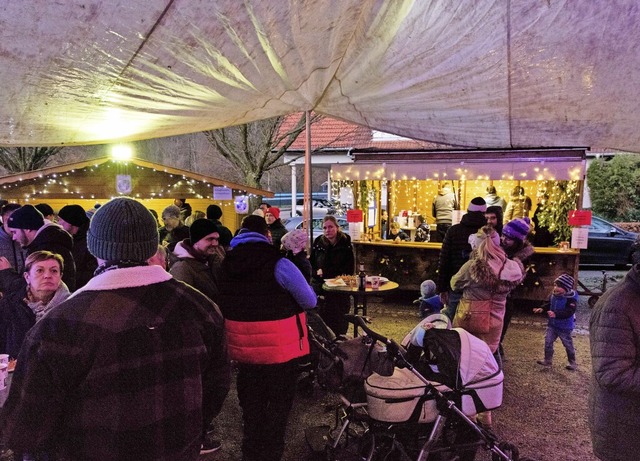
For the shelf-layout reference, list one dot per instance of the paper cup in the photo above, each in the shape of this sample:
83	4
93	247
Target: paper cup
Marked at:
375	282
4	375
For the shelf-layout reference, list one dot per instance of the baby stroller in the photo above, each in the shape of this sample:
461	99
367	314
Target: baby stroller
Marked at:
340	364
425	410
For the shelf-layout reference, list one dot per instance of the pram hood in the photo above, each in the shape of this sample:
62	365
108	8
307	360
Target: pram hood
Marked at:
462	359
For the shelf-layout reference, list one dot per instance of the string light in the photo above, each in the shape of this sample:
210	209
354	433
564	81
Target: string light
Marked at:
58	184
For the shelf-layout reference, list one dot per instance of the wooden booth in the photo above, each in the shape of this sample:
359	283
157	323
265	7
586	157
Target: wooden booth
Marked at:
156	186
405	184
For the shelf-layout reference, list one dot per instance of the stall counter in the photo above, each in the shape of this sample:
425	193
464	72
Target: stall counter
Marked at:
410	263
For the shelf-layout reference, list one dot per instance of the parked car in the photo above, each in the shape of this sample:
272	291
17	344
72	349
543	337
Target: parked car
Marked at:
608	244
321	207
296	223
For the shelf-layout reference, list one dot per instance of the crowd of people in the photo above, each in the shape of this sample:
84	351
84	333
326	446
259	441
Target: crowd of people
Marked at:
125	330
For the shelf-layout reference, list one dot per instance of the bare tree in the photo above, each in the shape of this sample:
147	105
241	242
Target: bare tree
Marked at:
19	159
257	147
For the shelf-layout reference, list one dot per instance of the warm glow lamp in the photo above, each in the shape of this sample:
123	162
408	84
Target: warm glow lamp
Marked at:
121	152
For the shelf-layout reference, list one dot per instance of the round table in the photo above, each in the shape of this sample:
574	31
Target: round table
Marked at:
360	296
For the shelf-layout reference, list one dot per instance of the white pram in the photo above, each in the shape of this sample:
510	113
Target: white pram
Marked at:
425	409
461	366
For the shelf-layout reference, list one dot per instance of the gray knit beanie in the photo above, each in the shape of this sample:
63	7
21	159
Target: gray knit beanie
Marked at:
123	230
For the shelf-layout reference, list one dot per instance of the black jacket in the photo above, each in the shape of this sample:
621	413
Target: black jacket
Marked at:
455	247
334	260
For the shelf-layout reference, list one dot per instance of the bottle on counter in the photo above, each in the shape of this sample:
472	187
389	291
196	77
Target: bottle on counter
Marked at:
362	278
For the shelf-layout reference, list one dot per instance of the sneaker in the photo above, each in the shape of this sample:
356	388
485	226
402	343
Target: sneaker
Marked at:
573	366
209	446
544	363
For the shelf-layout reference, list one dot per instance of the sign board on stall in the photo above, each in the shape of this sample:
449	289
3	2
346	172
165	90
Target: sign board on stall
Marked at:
354	216
579	218
579	237
222	193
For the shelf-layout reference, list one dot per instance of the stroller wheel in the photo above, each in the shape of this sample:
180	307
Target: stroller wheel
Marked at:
508	449
367	447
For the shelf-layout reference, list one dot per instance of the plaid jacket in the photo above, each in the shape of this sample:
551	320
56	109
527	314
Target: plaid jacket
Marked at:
126	369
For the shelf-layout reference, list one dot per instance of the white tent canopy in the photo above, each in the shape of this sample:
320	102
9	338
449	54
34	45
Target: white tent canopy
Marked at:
478	73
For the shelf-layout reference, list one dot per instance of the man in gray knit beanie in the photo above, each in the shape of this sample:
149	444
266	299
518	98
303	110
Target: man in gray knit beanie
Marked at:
132	352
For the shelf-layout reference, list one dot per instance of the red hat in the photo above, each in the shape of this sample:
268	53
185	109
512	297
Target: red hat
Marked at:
275	211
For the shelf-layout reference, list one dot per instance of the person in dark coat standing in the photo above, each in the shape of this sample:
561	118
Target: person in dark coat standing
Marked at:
21	309
614	399
198	259
73	219
494	217
263	297
455	252
214	213
276	228
332	256
9	248
129	367
28	227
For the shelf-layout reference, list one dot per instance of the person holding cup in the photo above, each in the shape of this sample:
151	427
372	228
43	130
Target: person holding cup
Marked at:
21	308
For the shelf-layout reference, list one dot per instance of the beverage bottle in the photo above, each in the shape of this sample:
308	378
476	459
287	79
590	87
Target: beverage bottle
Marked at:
362	278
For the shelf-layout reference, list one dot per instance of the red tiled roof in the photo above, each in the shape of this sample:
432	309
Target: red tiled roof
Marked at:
333	133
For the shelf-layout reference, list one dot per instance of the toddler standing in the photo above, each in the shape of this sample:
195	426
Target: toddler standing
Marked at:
561	312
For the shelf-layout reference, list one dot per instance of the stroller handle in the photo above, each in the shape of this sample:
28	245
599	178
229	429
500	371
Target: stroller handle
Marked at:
393	348
362	323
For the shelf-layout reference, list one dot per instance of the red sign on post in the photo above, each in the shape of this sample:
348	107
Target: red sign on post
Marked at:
354	216
579	218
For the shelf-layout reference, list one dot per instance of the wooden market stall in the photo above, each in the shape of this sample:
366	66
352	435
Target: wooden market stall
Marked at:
98	180
406	183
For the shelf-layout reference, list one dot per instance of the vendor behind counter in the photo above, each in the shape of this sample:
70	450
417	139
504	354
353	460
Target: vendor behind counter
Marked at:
397	234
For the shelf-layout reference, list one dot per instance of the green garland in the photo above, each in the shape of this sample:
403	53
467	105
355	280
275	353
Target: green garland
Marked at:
563	197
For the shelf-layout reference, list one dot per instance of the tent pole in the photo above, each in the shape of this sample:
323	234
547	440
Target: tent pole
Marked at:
306	209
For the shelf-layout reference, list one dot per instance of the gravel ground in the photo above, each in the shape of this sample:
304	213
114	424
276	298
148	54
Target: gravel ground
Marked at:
544	411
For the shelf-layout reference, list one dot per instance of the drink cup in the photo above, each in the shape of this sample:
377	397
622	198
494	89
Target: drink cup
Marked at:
375	282
4	359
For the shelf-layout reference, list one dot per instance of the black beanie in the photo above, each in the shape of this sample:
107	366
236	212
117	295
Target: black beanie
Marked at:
255	223
74	215
214	212
123	230
477	204
200	228
26	217
45	209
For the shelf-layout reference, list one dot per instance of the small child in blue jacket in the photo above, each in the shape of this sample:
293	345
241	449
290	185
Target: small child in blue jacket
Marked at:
429	301
561	312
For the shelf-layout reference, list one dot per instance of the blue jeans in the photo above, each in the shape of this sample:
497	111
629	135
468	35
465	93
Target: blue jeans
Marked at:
565	337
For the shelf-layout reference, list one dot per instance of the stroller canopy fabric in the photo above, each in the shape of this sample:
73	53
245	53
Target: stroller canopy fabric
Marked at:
462	359
477	73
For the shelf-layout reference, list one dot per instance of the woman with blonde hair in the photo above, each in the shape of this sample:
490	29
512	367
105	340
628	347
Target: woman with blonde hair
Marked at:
485	280
332	256
22	307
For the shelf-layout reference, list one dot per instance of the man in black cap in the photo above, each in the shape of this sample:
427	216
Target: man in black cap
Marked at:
198	258
455	252
74	220
28	227
214	213
130	366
